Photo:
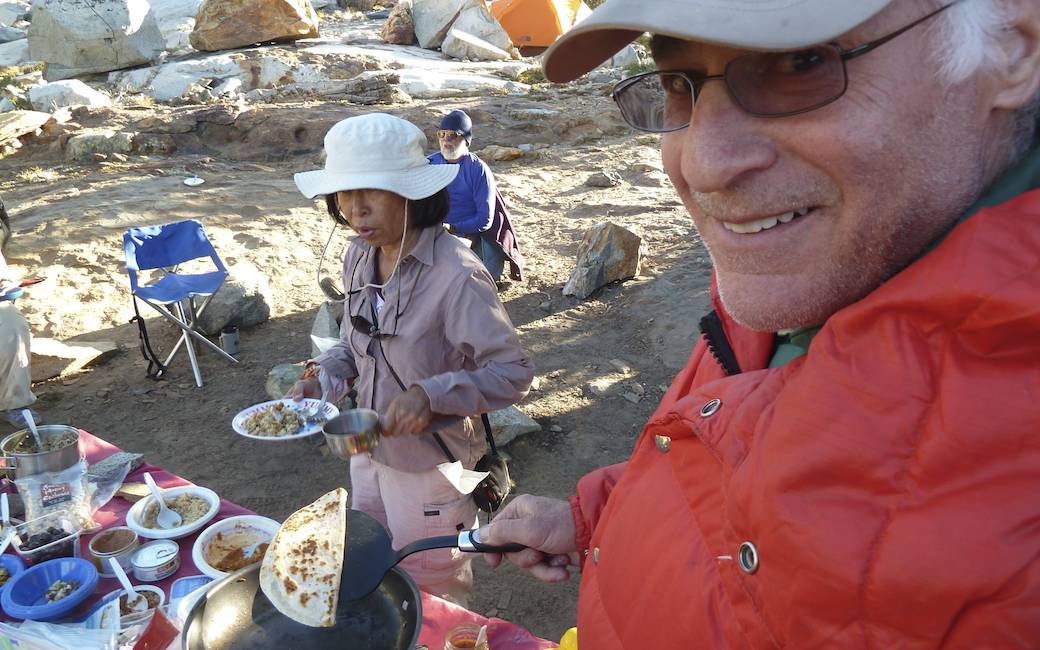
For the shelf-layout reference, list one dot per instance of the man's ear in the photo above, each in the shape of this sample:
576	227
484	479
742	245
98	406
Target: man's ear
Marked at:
1019	73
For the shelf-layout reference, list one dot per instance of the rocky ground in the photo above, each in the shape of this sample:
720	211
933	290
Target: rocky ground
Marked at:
603	363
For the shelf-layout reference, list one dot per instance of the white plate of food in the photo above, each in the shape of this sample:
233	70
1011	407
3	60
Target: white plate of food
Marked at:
219	550
262	422
196	506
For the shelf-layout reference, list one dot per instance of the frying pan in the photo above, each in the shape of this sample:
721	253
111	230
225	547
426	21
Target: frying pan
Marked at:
235	615
379	605
369	556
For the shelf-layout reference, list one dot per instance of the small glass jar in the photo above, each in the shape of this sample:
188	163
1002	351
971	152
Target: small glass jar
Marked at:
464	637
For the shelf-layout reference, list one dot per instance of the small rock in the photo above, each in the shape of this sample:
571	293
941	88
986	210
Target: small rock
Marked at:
635	399
492	612
118	157
536	383
604	179
597	387
555	373
638	389
556	428
545	305
662	388
500	154
621	366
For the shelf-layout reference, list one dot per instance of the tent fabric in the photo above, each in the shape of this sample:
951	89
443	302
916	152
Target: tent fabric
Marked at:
535	23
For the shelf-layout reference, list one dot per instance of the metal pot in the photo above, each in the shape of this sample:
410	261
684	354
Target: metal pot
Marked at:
17	465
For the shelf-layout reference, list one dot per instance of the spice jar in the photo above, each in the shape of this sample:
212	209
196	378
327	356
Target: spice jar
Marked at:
464	637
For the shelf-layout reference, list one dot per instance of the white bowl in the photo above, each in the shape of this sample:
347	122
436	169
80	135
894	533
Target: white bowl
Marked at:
198	551
131	619
136	513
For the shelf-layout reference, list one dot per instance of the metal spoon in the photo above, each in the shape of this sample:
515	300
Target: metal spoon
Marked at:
167	518
27	414
134	600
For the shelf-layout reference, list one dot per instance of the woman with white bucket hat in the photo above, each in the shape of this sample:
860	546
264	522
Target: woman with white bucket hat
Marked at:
425	339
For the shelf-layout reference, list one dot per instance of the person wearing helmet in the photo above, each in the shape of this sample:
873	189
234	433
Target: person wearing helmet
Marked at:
472	193
15	374
851	456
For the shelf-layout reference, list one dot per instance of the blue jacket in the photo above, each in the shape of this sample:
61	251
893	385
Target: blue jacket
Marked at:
472	195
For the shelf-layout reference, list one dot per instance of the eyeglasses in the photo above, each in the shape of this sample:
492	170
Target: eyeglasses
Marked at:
445	134
371	328
764	84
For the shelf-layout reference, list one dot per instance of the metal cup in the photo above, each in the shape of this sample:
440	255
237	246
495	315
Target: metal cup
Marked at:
352	432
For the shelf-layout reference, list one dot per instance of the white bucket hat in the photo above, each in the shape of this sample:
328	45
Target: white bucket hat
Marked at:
376	152
744	24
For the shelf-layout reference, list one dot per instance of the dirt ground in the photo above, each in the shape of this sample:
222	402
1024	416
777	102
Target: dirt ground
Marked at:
68	220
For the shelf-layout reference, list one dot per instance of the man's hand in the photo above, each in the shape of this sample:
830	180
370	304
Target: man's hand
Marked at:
545	526
408	414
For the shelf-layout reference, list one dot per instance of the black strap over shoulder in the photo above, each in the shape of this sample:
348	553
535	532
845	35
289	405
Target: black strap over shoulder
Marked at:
437	436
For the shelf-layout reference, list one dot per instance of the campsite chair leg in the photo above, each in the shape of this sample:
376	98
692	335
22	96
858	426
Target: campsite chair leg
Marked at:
188	344
181	340
198	337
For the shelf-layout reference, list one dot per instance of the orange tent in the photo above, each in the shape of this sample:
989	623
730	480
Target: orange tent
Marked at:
535	23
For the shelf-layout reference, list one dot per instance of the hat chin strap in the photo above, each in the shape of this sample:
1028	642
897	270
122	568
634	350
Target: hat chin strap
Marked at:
400	254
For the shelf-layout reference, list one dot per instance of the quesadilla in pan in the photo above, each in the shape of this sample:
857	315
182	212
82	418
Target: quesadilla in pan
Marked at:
300	573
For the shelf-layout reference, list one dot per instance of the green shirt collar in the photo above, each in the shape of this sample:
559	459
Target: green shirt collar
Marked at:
1018	180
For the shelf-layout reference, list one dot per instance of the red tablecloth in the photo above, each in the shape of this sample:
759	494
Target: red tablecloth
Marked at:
439	615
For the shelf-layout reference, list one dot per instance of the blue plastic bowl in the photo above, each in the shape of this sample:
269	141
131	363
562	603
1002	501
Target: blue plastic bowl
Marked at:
24	595
14	566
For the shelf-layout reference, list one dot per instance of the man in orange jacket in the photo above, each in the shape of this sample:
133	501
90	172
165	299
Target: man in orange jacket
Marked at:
851	458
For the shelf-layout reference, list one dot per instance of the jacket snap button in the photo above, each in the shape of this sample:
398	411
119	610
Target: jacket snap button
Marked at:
595	555
747	557
664	443
710	408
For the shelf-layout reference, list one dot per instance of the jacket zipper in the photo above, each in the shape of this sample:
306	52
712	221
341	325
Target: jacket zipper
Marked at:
718	344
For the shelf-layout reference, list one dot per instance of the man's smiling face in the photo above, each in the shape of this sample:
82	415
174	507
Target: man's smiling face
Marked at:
806	214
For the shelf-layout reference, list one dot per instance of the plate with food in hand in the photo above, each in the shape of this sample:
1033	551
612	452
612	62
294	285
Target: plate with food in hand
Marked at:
283	419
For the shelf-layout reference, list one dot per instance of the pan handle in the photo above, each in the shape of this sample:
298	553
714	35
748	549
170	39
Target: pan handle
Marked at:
469	542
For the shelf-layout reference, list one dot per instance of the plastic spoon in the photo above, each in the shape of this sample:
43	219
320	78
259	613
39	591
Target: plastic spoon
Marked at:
27	414
6	541
481	637
5	510
167	518
134	600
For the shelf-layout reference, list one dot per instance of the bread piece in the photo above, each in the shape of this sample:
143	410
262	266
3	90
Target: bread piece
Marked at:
300	573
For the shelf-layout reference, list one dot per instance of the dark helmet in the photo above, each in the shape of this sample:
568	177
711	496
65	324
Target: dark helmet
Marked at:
459	122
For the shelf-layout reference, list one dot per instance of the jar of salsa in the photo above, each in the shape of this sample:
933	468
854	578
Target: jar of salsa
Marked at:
464	637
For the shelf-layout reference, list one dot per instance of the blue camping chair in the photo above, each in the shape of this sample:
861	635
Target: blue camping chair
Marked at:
173	295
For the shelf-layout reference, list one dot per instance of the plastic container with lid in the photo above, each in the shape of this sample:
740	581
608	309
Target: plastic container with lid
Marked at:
61	530
156	560
119	542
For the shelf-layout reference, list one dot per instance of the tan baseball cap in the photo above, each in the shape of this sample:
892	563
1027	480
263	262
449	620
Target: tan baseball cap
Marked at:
745	24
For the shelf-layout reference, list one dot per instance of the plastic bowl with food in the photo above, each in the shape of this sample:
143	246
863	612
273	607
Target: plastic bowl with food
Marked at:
10	566
49	590
196	506
154	596
222	548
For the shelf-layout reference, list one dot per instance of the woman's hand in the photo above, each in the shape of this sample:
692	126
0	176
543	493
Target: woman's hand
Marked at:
309	387
408	414
545	526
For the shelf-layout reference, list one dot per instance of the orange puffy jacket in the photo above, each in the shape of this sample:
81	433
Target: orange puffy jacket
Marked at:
881	491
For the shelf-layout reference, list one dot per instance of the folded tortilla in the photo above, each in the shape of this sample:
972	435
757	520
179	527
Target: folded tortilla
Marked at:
300	573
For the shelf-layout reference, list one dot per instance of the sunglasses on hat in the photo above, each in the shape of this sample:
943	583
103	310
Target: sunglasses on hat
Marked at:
764	84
